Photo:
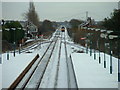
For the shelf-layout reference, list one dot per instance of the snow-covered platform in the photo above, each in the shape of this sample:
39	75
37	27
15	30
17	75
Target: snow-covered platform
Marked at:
12	68
90	74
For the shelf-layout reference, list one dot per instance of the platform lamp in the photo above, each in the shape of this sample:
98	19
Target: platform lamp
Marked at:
19	43
118	37
111	37
7	29
14	40
87	43
94	45
87	40
90	42
93	29
104	35
99	45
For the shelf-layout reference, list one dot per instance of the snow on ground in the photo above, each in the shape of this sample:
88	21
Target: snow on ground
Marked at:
91	74
62	76
49	78
15	65
10	69
30	40
72	79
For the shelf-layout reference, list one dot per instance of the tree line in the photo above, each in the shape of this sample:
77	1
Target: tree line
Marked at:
111	23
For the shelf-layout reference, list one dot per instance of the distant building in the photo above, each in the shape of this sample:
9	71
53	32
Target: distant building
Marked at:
31	30
119	5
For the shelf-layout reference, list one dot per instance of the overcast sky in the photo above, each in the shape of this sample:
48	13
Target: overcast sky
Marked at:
59	11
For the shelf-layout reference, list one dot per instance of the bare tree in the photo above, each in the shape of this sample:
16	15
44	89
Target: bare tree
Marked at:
32	15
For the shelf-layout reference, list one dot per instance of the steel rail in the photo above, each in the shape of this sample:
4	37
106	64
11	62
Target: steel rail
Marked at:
16	82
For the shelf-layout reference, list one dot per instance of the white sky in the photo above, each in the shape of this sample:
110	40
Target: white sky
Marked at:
59	11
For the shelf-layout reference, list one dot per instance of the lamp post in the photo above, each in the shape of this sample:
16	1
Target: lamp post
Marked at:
87	41
88	36
90	46
111	37
95	53
98	44
7	29
87	44
19	43
19	48
103	35
7	55
90	42
118	37
14	41
94	45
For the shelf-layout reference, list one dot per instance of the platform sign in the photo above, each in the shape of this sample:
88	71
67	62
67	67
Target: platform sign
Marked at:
82	38
41	36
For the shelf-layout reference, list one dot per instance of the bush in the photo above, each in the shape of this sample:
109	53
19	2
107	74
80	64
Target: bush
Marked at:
12	35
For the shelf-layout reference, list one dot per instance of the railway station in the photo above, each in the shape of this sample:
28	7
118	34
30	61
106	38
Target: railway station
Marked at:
79	51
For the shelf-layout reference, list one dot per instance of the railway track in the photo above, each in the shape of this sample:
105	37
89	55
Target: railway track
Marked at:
37	70
71	79
72	83
68	72
35	75
58	65
34	46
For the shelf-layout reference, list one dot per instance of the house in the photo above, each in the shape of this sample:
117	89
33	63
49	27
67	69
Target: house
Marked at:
32	30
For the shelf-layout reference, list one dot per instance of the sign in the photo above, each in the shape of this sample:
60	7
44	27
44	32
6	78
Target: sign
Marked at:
112	36
40	35
82	38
